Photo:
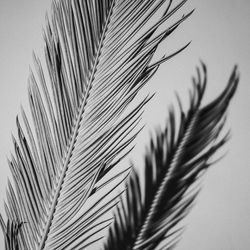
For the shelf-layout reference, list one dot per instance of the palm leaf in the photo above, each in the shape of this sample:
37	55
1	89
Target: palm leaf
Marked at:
98	54
173	166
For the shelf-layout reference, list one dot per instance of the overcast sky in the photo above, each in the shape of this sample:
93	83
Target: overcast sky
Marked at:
220	36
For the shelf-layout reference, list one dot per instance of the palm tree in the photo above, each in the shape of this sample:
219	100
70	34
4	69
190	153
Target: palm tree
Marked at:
99	54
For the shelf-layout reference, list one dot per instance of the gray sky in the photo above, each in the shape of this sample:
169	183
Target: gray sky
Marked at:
220	36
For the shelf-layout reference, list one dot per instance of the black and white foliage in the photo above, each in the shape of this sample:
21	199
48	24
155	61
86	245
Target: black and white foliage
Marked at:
99	54
173	164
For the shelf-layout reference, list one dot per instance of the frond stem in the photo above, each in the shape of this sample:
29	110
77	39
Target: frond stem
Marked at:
163	185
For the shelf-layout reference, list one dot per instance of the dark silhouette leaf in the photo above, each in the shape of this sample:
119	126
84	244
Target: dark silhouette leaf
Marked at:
150	215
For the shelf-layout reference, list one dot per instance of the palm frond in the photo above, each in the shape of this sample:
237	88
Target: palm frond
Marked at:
173	165
99	54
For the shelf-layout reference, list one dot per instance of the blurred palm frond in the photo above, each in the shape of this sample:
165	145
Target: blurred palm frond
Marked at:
151	215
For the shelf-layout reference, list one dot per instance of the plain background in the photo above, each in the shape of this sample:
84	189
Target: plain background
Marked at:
220	36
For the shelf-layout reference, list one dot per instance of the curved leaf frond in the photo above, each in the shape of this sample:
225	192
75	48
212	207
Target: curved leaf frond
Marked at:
173	164
99	54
